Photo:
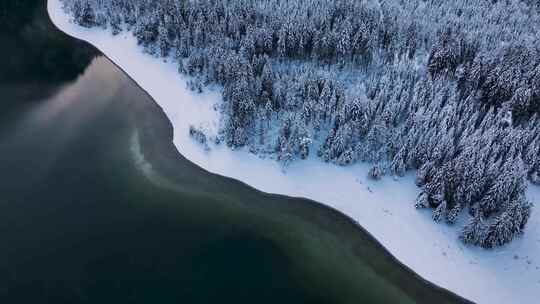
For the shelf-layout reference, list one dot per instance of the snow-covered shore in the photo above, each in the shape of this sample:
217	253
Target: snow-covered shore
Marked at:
384	208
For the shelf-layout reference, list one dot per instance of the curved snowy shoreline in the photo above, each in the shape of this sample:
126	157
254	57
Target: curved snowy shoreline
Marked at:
383	208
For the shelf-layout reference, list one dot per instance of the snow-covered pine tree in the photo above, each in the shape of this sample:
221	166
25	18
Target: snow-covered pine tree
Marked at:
474	231
440	212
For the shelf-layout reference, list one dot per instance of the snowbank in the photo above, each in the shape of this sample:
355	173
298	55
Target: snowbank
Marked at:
384	208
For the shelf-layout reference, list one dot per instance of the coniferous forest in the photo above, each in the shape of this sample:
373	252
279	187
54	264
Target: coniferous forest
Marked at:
450	89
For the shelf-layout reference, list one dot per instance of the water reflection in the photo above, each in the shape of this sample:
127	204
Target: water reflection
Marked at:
54	120
87	97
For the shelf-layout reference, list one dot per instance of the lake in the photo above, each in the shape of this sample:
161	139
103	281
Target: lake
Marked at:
98	206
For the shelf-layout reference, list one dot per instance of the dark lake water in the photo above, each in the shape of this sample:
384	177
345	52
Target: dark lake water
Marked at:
97	206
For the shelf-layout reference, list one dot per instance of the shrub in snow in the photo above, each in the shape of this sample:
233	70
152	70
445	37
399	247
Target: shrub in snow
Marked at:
199	136
375	172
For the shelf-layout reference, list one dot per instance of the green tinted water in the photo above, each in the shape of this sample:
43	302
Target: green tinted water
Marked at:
97	206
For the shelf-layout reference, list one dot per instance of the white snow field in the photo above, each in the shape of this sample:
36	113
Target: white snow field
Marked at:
510	274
